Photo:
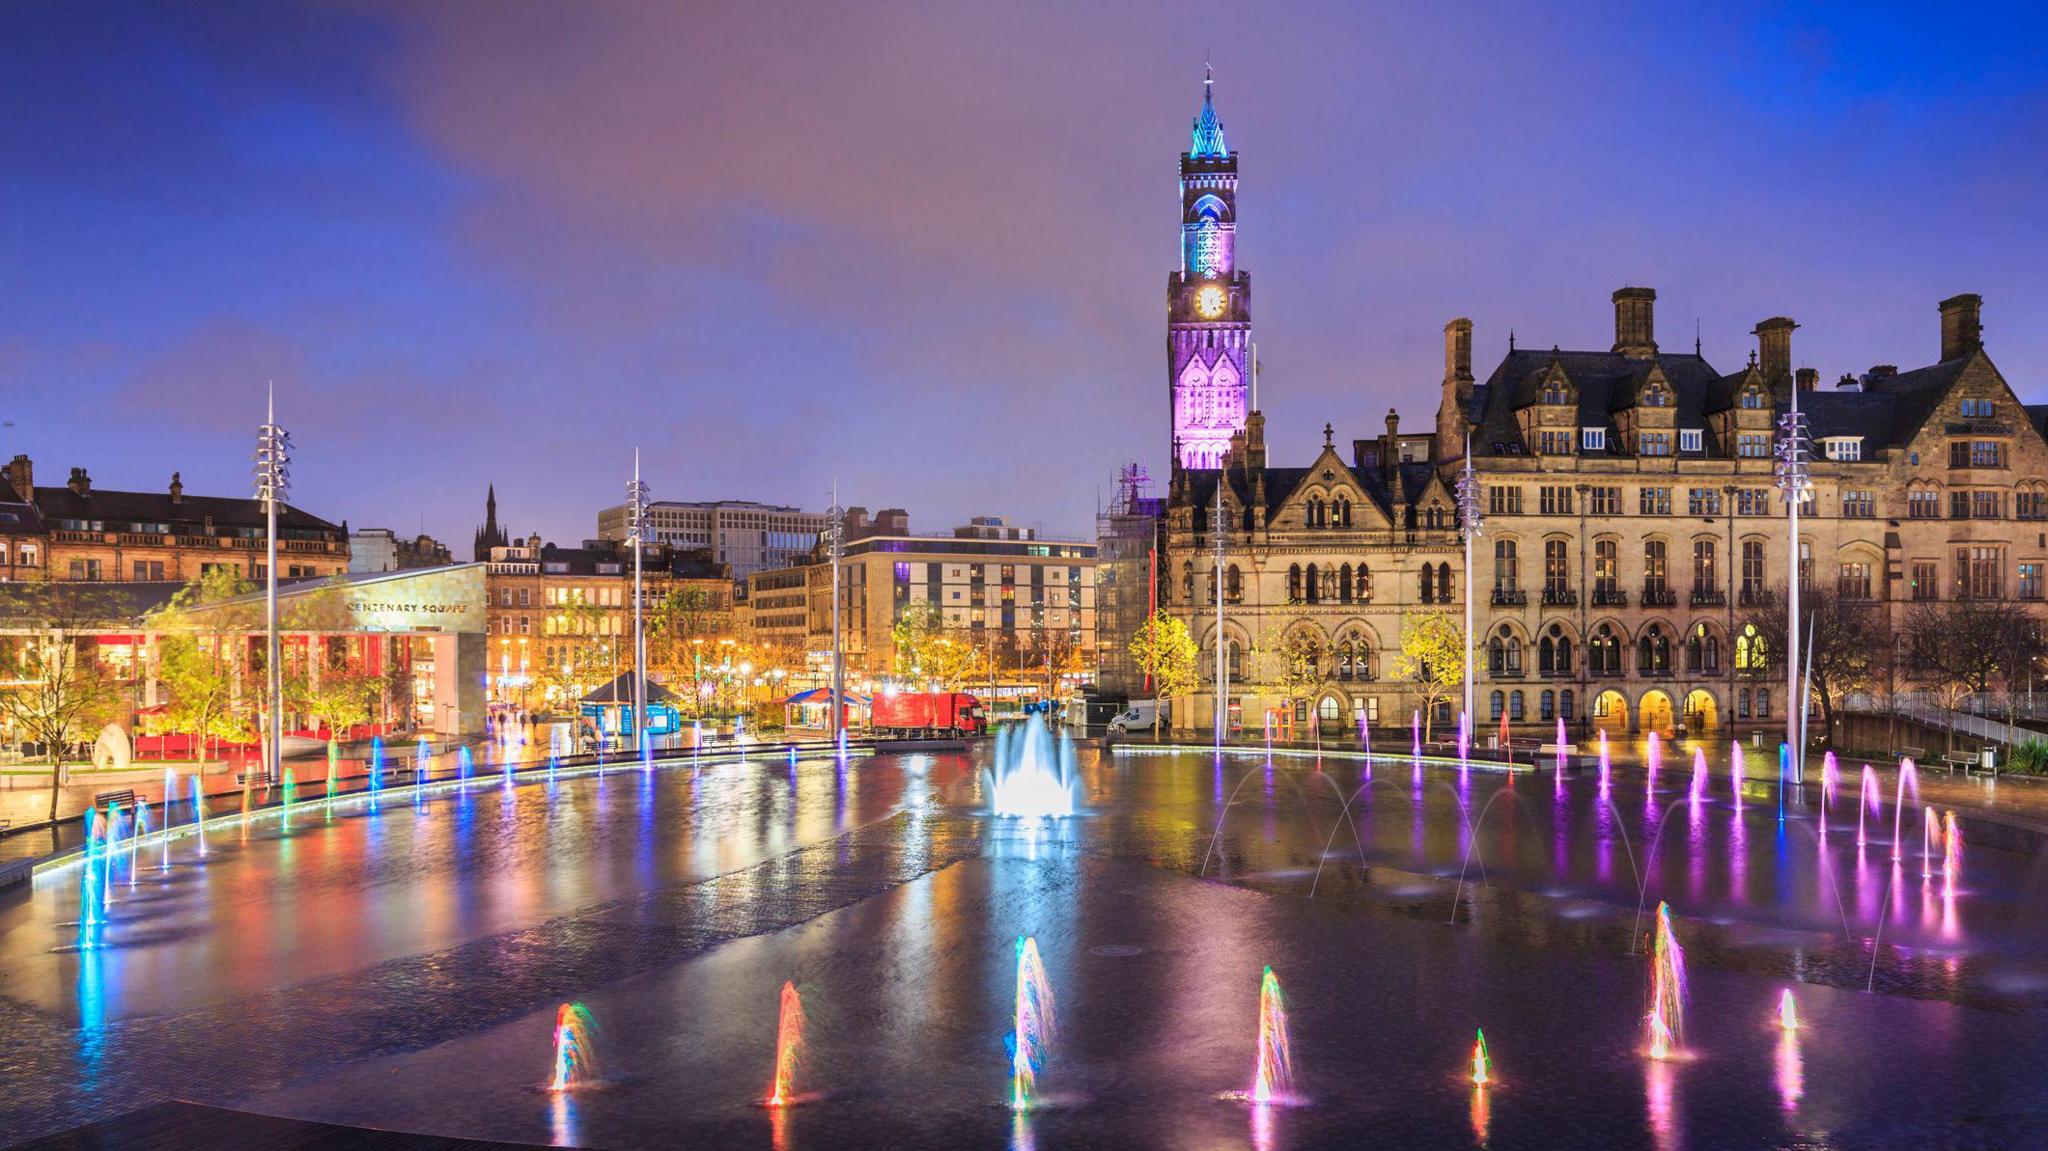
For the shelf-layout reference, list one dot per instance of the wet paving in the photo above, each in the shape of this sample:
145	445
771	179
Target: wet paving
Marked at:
402	969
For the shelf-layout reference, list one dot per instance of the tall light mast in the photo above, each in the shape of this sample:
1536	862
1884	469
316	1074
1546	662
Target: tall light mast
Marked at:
1216	528
1795	479
1468	527
273	484
636	534
836	545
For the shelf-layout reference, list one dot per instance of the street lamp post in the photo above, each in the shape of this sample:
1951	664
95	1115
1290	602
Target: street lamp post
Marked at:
273	483
1468	527
837	547
1795	480
636	533
1222	643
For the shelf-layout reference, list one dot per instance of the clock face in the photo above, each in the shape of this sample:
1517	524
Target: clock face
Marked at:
1209	301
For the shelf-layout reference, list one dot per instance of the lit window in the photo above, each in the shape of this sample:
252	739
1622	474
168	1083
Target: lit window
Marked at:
1690	439
1593	439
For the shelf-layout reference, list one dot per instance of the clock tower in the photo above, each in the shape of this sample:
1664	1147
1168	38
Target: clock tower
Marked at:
1208	301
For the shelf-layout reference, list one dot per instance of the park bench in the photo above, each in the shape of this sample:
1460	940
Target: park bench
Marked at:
122	798
1916	754
1955	759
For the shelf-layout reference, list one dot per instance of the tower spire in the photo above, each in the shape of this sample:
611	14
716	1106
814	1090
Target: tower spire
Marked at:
1208	130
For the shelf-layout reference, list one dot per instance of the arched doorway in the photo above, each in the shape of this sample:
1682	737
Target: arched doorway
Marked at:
1610	712
1702	716
1654	713
1330	715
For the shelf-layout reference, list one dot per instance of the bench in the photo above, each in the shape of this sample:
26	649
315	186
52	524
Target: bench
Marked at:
1963	759
123	798
1916	754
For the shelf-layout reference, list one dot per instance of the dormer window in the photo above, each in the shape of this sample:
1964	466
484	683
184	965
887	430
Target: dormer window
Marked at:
1690	440
1979	409
1848	448
1593	439
1656	398
1753	399
1553	393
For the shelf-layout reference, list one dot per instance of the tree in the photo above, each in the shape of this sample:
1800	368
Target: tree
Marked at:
1057	653
677	625
1433	655
582	657
338	700
55	690
1966	645
193	667
1163	650
1847	645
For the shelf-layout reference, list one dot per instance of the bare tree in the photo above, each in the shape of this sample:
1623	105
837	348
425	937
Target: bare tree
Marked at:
1848	645
55	690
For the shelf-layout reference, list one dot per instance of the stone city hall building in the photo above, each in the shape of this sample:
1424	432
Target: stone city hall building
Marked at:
1630	524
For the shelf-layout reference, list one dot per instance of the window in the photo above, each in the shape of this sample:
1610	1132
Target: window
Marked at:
1703	502
1555	501
1749	649
1606	501
1763	704
1514	707
1557	569
1564	704
1926	580
1344	584
1606	567
1593	439
1923	504
1742	704
149	569
1753	399
1979	409
1656	398
1653	651
1428	584
1554	392
1504	653
1497	702
505	597
1653	502
1554	443
1691	440
1959	505
1294	584
1546	705
1854	581
1703	651
1805	564
1361	584
1443	581
1655	567
1705	577
1505	566
1986	506
85	569
1752	570
1653	443
2030	504
2030	581
1978	573
1554	652
1752	502
1858	505
1604	656
1976	454
1753	445
1314	586
1504	501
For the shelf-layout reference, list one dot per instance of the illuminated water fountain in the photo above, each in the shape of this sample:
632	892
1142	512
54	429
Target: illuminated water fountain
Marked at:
1735	774
1273	1075
1032	776
1868	802
1415	730
465	765
291	791
1699	774
1951	853
1930	834
1606	765
575	1052
1908	780
1830	783
1563	746
789	1045
199	813
1666	1022
1032	1025
1788	1011
1482	1063
1653	760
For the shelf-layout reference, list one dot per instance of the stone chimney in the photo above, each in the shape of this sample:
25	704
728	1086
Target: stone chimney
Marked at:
1809	379
1962	332
22	475
1458	351
80	483
1255	442
1635	322
177	489
1390	447
1774	349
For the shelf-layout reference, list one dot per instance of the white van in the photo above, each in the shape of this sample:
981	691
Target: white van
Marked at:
1138	717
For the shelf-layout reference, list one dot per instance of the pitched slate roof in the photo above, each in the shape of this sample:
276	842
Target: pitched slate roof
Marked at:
1282	483
158	507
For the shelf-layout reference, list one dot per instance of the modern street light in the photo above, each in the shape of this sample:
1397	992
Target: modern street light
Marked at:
1794	472
273	483
1468	527
636	533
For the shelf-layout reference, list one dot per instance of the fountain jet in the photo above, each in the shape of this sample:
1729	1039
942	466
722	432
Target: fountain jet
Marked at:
789	1045
1482	1063
1667	990
575	1053
1273	1077
1908	778
1032	777
1951	853
1032	1037
1788	1011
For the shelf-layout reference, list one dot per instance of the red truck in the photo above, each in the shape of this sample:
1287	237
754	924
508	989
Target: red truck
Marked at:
948	713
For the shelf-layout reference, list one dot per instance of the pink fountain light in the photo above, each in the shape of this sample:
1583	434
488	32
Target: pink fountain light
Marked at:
1666	1022
789	1046
1788	1011
1653	761
1273	1076
1606	765
1869	801
1735	776
1908	779
1415	726
1830	782
1951	854
1930	834
1563	745
1699	773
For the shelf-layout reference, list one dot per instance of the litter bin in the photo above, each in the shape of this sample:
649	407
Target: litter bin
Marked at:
1986	759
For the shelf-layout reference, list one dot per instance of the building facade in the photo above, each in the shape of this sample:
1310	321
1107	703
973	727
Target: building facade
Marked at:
1631	528
381	550
97	534
745	535
1126	543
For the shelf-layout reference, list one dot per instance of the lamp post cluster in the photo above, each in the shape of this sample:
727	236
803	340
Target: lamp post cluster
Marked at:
1795	479
1468	529
636	534
273	483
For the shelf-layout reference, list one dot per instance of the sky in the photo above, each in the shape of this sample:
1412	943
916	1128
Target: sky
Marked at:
920	250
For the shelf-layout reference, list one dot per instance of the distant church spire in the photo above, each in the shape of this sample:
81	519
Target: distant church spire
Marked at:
1208	134
490	535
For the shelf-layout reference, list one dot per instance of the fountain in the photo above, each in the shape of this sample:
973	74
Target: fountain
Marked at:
1606	765
199	813
1868	802
646	751
1563	748
1951	853
1464	739
1033	1022
1667	990
465	765
1930	834
421	757
135	836
291	791
1830	782
789	1044
575	1057
1032	777
1273	1076
1908	778
1415	728
1699	774
1788	1011
1735	774
1482	1063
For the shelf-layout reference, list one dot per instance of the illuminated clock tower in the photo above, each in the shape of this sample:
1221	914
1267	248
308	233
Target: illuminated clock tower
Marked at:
1208	301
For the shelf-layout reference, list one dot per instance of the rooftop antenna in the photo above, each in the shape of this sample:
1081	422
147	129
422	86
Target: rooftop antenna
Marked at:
1511	341
1695	336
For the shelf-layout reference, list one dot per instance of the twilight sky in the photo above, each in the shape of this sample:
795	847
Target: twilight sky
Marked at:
923	248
